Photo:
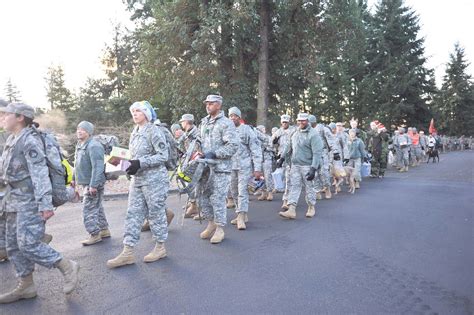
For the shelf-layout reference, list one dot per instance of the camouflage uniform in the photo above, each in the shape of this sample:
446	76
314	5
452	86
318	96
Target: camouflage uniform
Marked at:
149	186
183	145
323	178
283	136
357	154
29	191
220	136
89	173
245	161
305	149
268	155
377	145
402	142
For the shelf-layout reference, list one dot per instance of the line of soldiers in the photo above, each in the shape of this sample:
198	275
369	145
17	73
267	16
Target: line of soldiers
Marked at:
219	158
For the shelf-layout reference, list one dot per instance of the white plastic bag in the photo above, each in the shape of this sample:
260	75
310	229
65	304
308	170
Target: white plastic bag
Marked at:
278	180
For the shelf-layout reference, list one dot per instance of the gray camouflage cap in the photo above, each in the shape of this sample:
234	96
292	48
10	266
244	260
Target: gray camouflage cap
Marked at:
20	109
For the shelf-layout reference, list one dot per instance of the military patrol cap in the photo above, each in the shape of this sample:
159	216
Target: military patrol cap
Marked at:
312	119
20	109
213	98
285	118
332	126
302	116
187	117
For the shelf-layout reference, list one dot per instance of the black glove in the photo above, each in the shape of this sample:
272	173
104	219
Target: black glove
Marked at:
210	155
310	175
366	159
275	141
336	156
346	161
280	162
133	168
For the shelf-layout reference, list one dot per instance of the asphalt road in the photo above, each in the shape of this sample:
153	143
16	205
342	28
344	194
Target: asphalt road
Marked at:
403	244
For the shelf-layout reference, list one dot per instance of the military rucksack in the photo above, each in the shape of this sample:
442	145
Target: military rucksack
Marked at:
108	142
172	148
58	172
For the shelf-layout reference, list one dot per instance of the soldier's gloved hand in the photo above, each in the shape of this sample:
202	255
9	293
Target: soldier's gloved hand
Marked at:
346	161
275	140
210	155
336	156
310	175
133	168
280	162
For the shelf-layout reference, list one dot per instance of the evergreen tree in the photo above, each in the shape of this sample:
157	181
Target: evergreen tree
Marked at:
59	96
398	76
12	93
456	102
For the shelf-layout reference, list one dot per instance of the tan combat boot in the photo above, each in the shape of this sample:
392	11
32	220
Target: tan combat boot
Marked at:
209	231
70	270
263	196
269	196
146	226
169	216
319	196
3	255
192	210
327	193
124	258
47	238
218	235
105	233
158	252
234	220
24	290
285	205
311	211
93	239
290	213
241	216
230	203
357	185
198	217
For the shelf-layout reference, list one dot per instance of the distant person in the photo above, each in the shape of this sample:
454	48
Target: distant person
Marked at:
90	174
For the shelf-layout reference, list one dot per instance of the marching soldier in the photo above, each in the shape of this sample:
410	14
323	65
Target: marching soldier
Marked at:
245	163
305	149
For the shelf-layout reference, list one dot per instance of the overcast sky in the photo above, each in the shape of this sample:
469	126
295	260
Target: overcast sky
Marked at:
72	33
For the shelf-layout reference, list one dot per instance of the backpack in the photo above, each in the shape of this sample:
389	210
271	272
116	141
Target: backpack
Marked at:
172	148
108	142
59	174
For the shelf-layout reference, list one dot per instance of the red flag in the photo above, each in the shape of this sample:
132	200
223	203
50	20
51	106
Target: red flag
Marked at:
432	126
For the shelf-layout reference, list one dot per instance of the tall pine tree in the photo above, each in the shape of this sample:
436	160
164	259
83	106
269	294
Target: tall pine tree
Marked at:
456	101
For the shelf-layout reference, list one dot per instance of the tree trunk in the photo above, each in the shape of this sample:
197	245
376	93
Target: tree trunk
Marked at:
263	65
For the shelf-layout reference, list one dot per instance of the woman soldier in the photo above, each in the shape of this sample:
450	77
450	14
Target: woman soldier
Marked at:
148	188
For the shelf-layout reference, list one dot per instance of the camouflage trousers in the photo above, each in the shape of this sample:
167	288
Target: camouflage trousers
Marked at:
3	231
93	211
146	202
404	157
298	180
24	247
239	188
211	196
379	165
267	167
286	193
323	176
416	154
